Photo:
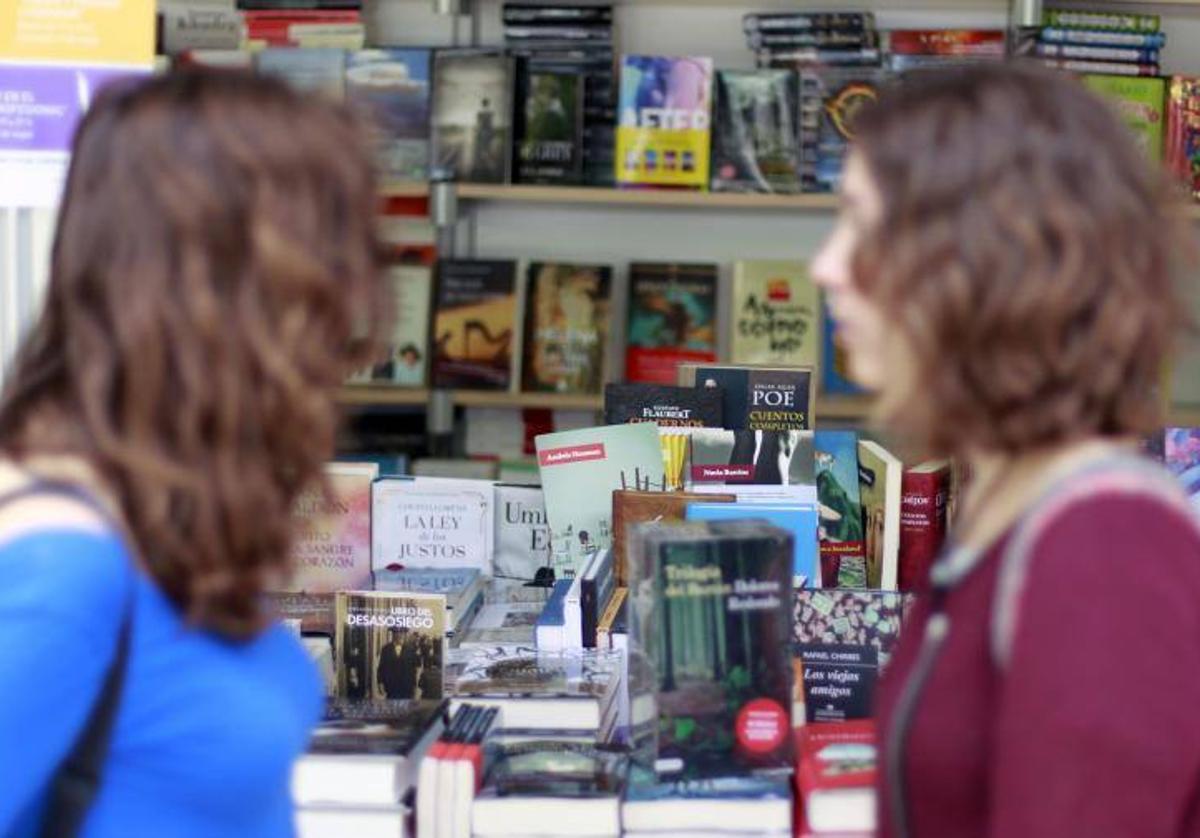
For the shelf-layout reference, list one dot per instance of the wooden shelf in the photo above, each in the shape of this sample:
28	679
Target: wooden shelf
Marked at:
371	394
595	196
404	190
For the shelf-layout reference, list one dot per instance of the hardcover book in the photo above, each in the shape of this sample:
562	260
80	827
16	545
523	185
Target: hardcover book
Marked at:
407	347
757	398
333	549
632	507
843	559
566	327
830	98
390	645
663	123
474	324
924	496
393	84
472	116
664	405
671	319
521	566
879	480
580	471
308	69
776	314
755	135
432	522
549	128
1140	102
719	627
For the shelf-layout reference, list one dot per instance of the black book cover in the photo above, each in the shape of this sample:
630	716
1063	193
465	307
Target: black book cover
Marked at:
549	127
758	398
811	38
830	99
595	589
804	21
530	14
663	404
756	138
573	32
474	325
472	116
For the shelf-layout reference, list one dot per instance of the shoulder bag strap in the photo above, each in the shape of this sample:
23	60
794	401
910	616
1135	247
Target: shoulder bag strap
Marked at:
74	786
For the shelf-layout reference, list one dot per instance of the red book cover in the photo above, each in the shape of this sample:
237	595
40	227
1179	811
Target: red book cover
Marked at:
276	28
923	495
835	755
958	42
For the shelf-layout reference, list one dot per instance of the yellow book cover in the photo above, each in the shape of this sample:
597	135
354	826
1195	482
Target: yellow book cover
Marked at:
663	133
776	314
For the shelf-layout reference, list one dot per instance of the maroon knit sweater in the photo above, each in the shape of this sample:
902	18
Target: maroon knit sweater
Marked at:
1092	727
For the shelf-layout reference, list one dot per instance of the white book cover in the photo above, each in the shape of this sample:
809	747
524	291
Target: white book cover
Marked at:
432	522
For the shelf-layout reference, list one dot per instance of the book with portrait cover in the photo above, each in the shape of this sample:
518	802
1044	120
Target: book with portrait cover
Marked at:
671	319
405	358
393	85
472	116
663	404
776	314
756	141
390	645
566	327
757	398
548	144
843	548
474	327
333	548
432	522
663	121
580	471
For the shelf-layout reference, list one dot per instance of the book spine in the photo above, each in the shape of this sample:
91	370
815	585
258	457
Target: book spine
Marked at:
1108	68
800	21
537	15
922	525
811	38
1122	21
1101	37
585	34
1130	55
960	42
828	57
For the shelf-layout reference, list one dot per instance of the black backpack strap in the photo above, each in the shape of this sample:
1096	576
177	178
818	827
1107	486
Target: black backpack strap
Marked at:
73	788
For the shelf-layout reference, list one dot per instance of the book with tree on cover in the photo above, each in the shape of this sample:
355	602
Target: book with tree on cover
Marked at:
475	324
776	314
671	319
566	327
333	549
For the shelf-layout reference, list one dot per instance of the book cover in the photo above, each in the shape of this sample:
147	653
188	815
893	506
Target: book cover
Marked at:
472	116
1182	136
198	27
393	84
924	497
721	624
474	324
1131	55
835	777
1103	37
708	806
663	123
800	520
1140	102
406	362
581	675
549	128
1118	21
755	134
390	645
528	13
776	314
758	398
503	627
737	459
455	583
632	507
315	613
671	319
801	57
821	38
1181	453
843	560
566	327
308	69
595	589
830	97
550	632
521	565
665	405
333	547
804	21
432	522
1108	68
580	471
880	475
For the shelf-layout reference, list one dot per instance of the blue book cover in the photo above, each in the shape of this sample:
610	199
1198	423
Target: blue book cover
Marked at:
554	612
843	543
801	521
835	373
394	86
1182	456
435	580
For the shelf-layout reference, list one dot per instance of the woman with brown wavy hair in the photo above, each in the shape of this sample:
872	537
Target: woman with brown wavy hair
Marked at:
214	269
1002	274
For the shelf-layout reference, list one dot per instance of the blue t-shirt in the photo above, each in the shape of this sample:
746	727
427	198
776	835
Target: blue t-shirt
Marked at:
206	732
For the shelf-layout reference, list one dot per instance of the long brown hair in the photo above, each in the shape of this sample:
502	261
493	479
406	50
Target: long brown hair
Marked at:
213	274
1028	255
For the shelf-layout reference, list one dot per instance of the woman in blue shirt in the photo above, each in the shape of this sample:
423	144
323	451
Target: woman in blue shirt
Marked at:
212	281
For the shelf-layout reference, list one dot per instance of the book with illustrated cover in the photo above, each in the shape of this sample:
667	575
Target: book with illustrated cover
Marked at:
580	471
1141	105
755	136
718	628
475	321
1181	453
472	116
432	522
663	121
390	645
566	327
671	319
308	69
333	549
880	477
393	84
798	519
548	135
776	314
843	558
632	507
407	346
757	398
665	405
979	43
521	567
338	29
830	98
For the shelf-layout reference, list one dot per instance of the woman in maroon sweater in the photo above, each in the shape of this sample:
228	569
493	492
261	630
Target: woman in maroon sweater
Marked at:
1001	274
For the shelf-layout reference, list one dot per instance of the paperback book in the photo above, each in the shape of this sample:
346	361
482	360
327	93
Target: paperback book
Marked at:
663	121
735	459
1140	102
665	405
333	548
521	564
671	319
472	116
880	476
757	398
390	645
549	128
843	558
474	324
393	84
776	314
566	327
432	522
755	135
830	98
407	347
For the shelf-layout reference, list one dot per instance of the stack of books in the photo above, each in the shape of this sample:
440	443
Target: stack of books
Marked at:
1111	43
835	780
916	49
791	39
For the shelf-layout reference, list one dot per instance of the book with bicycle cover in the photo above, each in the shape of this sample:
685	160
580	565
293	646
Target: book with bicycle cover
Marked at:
474	329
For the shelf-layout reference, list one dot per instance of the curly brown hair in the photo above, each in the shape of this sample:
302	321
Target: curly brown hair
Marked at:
214	277
1027	252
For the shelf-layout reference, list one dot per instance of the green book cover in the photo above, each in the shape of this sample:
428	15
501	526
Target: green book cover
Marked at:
580	470
1140	102
776	312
